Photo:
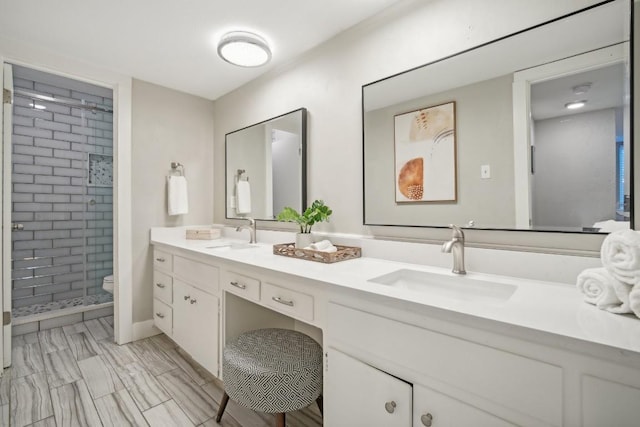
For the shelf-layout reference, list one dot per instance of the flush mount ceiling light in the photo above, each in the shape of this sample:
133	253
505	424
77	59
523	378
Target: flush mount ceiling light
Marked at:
575	105
581	88
244	49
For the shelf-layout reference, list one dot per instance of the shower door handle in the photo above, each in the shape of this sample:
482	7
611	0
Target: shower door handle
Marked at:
17	227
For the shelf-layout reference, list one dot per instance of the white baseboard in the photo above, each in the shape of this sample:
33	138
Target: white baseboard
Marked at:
145	329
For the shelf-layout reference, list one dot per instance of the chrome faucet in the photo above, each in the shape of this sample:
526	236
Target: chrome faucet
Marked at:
456	246
251	227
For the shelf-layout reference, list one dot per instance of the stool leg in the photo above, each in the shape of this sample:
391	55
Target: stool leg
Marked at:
320	404
280	419
223	405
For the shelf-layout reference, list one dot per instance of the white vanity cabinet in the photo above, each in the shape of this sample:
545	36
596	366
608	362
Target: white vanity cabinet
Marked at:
360	395
186	305
195	324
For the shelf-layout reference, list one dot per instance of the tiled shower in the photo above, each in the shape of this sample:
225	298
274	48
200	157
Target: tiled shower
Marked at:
62	193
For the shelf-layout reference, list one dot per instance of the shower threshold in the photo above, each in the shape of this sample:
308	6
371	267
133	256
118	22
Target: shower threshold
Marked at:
37	312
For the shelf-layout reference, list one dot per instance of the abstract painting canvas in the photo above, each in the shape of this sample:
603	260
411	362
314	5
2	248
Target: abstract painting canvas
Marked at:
425	154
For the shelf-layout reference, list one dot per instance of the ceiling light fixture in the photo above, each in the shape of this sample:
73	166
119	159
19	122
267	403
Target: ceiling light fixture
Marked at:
575	105
581	88
244	49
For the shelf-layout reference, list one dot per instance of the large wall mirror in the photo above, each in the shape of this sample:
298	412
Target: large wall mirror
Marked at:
265	168
529	132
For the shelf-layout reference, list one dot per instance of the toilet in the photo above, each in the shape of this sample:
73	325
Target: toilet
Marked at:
107	283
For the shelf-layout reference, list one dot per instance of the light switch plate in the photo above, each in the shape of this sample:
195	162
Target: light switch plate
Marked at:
485	171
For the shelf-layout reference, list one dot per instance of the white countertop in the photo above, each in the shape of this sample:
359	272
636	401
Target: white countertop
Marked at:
542	306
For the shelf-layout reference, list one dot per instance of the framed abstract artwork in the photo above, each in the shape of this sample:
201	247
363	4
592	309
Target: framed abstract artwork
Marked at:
425	154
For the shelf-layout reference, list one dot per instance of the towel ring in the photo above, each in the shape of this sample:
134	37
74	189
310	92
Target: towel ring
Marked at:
178	168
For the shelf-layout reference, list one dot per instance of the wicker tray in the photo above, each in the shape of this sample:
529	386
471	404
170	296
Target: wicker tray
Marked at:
342	254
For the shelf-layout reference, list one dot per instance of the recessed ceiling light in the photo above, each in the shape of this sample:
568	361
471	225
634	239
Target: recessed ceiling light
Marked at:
244	49
575	105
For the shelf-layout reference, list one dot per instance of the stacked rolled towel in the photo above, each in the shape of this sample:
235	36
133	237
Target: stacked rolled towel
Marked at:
597	286
323	246
620	256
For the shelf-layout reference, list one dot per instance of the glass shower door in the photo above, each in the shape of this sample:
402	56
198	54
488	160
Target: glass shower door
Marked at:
98	229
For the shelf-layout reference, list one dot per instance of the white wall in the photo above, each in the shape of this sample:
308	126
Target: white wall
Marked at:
166	126
328	82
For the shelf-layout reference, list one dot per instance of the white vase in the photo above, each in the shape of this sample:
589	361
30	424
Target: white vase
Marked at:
303	240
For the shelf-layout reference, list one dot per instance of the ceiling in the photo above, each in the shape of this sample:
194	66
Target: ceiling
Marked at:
173	43
607	90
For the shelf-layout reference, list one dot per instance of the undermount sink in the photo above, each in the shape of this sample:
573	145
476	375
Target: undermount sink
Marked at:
226	245
460	288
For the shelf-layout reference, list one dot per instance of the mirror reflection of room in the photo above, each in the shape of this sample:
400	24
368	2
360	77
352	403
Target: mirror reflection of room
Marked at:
526	157
265	167
580	140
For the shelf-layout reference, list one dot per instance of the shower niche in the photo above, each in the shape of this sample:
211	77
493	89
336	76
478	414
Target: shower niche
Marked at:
61	198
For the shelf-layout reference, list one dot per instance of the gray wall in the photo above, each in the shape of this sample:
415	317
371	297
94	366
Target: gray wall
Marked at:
167	126
578	151
49	192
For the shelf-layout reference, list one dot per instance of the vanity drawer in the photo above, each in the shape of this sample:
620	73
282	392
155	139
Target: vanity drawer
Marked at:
163	316
162	260
288	301
203	276
162	286
244	286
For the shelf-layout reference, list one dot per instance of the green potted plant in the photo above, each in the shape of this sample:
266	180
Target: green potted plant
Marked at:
317	212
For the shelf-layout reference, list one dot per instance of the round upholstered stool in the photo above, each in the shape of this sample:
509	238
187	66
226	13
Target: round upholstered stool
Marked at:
272	371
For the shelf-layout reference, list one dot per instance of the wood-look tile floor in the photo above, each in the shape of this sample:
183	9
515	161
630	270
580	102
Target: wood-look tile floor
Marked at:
77	376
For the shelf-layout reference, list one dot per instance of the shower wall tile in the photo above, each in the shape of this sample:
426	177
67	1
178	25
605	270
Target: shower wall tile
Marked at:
32	169
32	131
52	143
52	125
52	161
33	151
20	178
50	190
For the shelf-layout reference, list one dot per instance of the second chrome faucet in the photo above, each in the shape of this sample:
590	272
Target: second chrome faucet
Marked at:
455	246
251	227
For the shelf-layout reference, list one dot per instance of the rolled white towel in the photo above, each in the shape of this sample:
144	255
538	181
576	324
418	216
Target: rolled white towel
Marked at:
322	244
598	287
620	255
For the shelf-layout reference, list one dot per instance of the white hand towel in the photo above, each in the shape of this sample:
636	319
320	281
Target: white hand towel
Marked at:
620	255
597	286
178	202
243	196
322	246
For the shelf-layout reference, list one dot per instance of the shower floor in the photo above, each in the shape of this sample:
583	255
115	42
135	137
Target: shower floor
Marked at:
57	305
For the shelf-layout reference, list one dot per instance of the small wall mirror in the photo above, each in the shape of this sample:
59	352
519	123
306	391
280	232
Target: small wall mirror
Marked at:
529	132
265	167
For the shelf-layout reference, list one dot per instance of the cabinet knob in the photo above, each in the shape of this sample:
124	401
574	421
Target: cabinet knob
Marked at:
160	259
427	420
186	297
238	285
160	315
160	285
193	301
390	406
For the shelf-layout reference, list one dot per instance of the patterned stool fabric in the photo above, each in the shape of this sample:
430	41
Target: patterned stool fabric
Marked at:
273	370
